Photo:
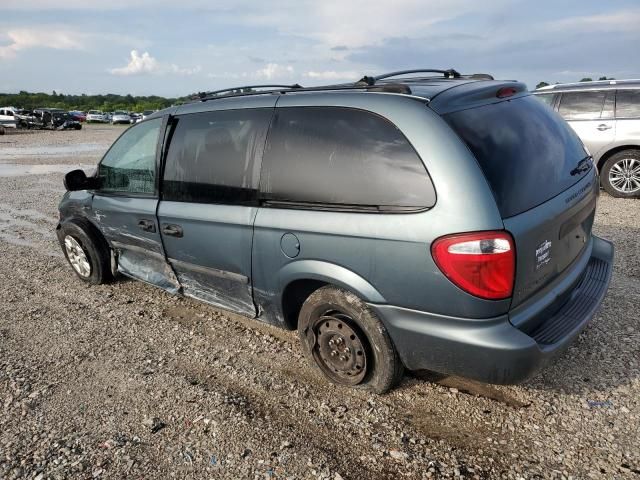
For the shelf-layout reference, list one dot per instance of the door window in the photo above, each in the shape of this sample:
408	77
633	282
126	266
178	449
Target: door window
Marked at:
581	105
628	104
214	156
130	164
342	157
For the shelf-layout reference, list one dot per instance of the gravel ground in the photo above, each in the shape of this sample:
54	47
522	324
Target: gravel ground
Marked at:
127	381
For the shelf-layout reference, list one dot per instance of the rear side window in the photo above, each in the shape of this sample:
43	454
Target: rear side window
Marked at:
342	157
527	152
628	104
581	105
213	157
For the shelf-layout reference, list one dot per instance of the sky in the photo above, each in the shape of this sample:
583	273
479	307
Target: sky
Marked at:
177	47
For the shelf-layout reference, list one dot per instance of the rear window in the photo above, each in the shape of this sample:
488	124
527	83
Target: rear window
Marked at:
526	151
342	157
628	104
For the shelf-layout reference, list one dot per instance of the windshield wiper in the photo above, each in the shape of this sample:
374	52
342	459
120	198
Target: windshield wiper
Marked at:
583	165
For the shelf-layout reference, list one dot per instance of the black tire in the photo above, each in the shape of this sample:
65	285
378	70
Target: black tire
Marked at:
617	161
94	248
338	311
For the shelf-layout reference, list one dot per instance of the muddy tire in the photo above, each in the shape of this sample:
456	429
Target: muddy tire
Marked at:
620	175
87	254
343	339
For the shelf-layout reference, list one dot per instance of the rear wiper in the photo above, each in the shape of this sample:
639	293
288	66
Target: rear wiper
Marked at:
583	165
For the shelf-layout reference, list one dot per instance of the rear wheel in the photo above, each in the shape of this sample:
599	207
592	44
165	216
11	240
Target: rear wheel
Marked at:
620	176
346	341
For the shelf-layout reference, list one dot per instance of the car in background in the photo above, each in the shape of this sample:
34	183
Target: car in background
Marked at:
135	117
146	113
606	117
55	119
8	117
120	116
78	115
97	116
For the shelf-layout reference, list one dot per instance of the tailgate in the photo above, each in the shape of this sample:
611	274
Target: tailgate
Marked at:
551	236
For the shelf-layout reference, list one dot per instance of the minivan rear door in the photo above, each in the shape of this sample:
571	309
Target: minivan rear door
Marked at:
209	202
591	115
544	184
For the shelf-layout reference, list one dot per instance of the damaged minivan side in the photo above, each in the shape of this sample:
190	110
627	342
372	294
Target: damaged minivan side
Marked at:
424	222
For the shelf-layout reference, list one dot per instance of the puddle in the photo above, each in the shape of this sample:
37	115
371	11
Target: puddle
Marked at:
52	150
15	170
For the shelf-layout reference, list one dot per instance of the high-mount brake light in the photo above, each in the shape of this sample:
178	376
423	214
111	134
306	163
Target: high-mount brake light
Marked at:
480	263
505	92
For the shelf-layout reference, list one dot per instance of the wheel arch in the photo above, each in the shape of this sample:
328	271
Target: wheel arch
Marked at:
612	151
300	279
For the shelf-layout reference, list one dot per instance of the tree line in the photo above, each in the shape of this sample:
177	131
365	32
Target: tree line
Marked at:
107	103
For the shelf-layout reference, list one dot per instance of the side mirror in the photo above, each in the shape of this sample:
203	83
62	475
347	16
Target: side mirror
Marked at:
77	180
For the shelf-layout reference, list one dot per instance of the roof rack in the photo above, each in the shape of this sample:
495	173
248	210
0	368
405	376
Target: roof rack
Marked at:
239	91
450	73
245	89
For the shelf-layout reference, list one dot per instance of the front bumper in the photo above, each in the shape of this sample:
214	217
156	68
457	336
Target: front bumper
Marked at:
494	350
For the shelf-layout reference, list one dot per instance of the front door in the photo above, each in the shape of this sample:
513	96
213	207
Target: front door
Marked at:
591	115
209	203
124	207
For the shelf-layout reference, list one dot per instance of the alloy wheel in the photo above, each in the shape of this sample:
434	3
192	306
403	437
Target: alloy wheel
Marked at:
77	257
624	175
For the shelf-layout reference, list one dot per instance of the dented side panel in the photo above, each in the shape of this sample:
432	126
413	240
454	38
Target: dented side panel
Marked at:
130	227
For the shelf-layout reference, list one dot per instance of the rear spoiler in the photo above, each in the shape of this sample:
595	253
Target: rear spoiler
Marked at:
475	94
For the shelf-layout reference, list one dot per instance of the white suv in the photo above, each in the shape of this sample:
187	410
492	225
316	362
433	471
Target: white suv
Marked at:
97	116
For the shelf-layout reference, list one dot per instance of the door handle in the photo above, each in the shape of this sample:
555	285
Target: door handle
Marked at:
147	225
603	126
172	230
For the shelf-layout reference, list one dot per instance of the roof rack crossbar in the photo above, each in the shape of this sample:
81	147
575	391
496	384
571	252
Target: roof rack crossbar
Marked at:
450	73
244	88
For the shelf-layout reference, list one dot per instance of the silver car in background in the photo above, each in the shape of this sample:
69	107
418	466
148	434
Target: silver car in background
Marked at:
606	117
97	116
120	116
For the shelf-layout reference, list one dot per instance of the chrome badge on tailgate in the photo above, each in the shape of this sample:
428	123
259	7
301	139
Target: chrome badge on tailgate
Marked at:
543	254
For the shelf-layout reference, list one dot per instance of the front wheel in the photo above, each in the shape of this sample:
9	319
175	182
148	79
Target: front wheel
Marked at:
87	255
620	176
347	342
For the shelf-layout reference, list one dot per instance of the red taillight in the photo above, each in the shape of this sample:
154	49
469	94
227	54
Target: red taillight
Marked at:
506	92
480	263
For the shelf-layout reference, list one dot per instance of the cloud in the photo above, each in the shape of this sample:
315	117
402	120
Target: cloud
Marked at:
620	21
332	75
26	38
274	70
145	64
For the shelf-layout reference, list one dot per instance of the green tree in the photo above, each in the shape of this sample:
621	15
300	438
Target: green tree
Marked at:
542	84
587	79
605	78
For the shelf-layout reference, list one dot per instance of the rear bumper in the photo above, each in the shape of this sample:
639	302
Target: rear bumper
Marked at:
494	350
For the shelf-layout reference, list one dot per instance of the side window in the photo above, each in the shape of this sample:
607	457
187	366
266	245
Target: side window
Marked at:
628	104
130	165
581	105
341	156
214	156
546	98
